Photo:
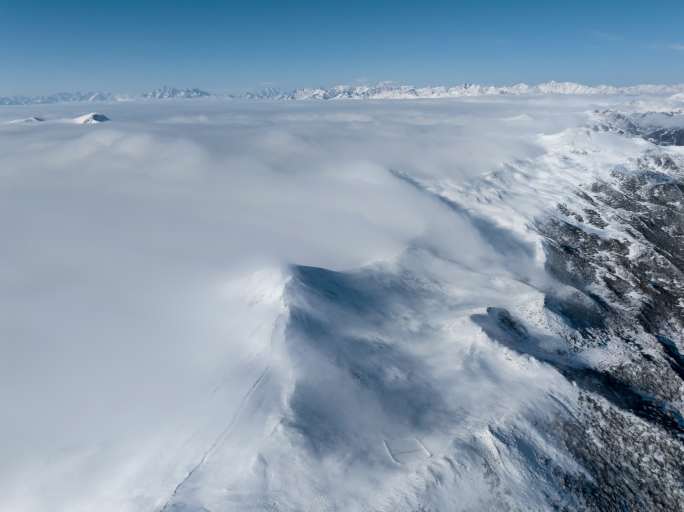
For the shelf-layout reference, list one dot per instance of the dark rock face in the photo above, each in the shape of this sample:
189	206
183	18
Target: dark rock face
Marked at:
619	260
667	137
100	118
646	207
638	281
629	443
660	128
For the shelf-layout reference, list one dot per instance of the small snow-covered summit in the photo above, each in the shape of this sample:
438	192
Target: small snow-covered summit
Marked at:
165	93
91	118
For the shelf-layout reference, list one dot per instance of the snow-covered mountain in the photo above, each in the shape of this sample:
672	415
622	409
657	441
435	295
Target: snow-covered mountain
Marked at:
161	93
167	93
381	91
267	93
341	306
389	91
62	97
91	118
393	91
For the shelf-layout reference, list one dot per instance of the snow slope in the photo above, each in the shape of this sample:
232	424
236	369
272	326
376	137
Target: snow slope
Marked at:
342	306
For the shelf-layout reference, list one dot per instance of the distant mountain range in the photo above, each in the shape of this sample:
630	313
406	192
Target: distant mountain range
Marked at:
339	92
167	93
161	93
393	91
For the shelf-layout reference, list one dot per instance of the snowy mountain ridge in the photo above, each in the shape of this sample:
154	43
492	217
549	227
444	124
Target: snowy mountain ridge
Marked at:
161	93
165	92
380	91
393	91
362	307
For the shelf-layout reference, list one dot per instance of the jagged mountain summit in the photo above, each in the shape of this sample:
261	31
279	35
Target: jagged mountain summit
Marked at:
60	97
388	90
91	118
166	93
161	93
267	93
393	91
380	91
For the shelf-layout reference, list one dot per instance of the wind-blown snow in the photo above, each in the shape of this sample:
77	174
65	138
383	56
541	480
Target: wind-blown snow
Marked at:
269	306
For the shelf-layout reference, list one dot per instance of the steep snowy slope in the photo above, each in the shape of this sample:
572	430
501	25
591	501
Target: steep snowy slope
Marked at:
408	306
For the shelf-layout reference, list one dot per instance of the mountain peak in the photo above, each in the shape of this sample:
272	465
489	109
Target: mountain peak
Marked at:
166	92
91	118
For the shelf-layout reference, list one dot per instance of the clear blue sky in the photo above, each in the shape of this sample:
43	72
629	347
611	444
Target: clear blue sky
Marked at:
129	46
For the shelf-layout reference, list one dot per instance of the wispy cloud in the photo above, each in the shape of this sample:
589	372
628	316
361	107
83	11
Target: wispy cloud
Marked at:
679	47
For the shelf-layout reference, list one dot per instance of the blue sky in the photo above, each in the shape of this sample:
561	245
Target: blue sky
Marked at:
129	46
